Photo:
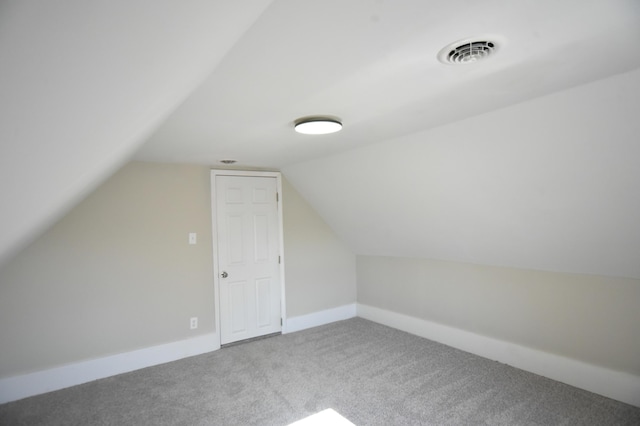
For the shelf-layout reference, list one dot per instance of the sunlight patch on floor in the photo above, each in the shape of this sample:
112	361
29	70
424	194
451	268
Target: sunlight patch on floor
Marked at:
324	417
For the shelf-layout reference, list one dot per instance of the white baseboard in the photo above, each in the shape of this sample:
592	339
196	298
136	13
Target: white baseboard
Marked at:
316	319
621	386
18	387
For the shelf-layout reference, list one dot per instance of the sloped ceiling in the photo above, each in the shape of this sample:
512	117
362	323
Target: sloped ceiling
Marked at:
522	160
374	64
83	83
549	184
203	81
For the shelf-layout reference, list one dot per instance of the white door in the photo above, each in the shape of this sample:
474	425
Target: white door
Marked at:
248	256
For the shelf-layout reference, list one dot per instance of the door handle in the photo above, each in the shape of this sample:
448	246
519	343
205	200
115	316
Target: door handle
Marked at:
224	274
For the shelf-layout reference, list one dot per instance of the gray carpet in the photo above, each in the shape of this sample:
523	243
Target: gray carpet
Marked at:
369	373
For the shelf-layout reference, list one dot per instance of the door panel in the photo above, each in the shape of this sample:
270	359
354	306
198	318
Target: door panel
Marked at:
248	252
263	305
261	238
237	312
235	240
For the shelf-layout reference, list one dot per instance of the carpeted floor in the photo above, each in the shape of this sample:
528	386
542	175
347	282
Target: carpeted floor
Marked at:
369	373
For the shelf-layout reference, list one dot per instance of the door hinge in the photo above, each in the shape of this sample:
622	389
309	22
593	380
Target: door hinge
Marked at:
280	322
279	260
277	197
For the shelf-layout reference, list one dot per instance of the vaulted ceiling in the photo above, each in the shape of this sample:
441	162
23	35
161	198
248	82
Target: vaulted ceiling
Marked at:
523	159
84	83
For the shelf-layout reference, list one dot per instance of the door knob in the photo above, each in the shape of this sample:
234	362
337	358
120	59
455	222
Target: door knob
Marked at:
224	274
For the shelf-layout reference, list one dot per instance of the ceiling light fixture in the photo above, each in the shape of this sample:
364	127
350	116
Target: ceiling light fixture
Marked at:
317	125
228	161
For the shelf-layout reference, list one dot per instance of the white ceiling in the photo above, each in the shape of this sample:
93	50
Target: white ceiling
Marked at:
550	184
373	63
515	161
83	85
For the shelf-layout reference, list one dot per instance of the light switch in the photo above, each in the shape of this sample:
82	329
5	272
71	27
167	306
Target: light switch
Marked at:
193	239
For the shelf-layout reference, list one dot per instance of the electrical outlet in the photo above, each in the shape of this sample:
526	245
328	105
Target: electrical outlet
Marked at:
193	238
194	323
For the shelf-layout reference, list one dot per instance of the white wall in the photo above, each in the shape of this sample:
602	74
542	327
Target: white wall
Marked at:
578	329
320	268
117	274
114	275
550	184
589	318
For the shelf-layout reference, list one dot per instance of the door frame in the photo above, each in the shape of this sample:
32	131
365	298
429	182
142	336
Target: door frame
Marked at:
214	229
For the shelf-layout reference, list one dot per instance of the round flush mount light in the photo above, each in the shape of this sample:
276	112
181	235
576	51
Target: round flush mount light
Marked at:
468	51
317	125
228	161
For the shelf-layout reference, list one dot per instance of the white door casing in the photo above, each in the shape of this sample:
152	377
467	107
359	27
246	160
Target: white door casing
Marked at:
247	250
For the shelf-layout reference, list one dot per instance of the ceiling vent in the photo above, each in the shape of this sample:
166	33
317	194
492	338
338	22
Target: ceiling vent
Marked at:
467	51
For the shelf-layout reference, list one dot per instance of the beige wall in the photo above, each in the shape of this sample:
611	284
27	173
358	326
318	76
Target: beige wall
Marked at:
320	269
590	318
117	273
